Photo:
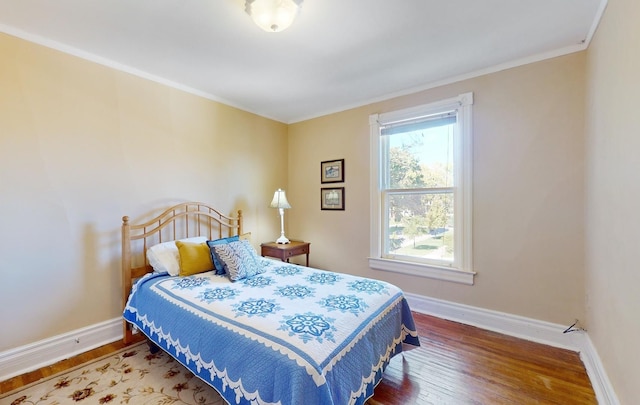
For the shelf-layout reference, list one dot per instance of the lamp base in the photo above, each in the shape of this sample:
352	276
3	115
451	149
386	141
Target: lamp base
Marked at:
282	240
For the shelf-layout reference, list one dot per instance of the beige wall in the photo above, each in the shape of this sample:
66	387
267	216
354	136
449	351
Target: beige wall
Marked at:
613	196
528	132
81	145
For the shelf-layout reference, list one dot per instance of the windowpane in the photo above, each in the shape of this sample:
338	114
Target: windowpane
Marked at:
421	226
421	158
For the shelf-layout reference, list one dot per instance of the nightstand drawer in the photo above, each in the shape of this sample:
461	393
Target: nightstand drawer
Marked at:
300	250
284	251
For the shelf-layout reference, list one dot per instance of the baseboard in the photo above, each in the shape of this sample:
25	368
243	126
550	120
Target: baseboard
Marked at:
597	374
48	351
526	328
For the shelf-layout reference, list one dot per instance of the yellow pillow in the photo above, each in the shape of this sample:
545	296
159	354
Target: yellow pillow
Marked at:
194	258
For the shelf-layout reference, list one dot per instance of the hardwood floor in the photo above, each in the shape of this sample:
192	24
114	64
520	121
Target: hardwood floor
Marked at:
455	364
461	364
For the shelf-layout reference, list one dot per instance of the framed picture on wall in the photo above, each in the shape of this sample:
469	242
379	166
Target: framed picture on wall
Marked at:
332	198
332	171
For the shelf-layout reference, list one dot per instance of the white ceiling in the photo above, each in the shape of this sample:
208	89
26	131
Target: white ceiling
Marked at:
338	54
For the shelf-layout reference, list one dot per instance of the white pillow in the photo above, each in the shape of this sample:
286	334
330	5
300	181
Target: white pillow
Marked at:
165	258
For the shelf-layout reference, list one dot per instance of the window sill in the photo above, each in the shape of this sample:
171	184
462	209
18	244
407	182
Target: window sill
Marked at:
421	270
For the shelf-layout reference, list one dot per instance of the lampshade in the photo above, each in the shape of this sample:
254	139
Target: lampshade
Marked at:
280	200
273	15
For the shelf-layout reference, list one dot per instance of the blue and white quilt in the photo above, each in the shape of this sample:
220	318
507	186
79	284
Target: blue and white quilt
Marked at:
292	335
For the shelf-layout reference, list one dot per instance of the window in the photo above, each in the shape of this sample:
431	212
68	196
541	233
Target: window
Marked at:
421	190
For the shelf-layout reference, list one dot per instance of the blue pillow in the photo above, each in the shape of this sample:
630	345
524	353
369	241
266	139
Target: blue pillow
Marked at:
214	258
240	260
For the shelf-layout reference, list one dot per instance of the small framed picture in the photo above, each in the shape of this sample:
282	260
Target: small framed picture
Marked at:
332	171
332	198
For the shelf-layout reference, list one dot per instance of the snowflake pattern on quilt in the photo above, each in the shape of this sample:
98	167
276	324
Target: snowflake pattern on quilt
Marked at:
259	307
369	287
344	304
309	326
217	294
296	291
258	281
189	283
287	270
324	278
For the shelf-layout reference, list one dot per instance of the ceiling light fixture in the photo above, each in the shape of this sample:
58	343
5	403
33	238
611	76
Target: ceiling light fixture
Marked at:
273	15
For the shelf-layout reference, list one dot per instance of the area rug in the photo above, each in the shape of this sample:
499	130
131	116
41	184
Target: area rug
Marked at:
129	376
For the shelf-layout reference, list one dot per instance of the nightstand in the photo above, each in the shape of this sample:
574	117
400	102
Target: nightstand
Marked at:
284	251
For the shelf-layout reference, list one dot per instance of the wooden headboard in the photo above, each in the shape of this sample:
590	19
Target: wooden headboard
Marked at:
183	220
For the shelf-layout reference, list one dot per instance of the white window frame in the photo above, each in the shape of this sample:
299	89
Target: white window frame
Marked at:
461	271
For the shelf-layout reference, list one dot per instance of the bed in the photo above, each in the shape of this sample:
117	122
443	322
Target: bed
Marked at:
258	330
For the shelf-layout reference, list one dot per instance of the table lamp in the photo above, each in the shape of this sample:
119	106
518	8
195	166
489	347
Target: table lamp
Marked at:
280	202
